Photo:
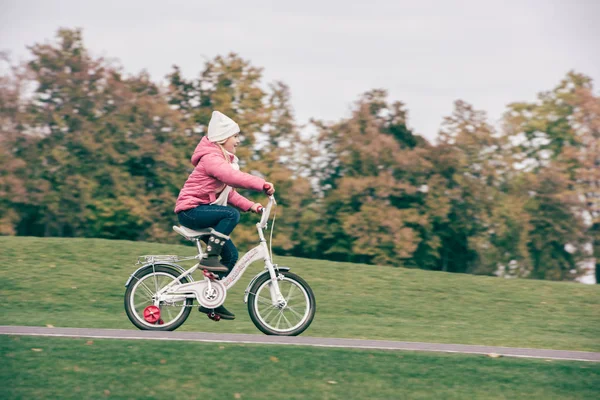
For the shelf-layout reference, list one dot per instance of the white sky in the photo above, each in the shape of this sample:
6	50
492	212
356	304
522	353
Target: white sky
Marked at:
426	53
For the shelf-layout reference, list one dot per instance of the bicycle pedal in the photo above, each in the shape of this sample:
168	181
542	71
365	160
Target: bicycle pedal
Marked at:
214	317
210	275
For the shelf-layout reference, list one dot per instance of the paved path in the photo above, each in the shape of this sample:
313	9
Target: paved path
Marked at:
299	341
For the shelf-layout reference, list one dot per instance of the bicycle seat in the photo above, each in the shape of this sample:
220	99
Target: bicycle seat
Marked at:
192	234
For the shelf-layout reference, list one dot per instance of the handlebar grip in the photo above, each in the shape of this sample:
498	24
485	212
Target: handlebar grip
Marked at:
260	209
267	187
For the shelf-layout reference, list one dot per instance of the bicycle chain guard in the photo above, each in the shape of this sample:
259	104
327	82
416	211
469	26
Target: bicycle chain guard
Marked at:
210	294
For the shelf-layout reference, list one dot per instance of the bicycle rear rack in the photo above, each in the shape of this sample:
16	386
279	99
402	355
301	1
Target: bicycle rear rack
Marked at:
156	258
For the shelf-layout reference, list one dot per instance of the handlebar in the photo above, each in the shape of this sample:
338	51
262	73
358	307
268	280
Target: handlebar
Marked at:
266	212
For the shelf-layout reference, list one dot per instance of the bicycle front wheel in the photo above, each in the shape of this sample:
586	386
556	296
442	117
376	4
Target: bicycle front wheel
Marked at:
289	320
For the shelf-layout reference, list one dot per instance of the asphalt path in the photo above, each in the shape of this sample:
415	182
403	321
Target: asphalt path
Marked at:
130	334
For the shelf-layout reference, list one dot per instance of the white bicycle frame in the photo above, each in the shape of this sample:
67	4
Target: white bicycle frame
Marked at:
193	289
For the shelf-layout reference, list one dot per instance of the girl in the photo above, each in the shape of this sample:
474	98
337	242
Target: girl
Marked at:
204	198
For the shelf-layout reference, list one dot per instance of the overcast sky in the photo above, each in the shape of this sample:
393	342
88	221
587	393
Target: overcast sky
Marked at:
426	53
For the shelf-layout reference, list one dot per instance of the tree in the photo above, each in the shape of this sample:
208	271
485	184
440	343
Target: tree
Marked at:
96	149
466	185
550	148
584	161
371	184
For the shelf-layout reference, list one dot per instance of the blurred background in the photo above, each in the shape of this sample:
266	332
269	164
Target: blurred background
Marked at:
453	136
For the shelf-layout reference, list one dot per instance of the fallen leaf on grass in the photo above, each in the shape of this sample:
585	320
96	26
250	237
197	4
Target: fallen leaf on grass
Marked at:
89	342
163	361
49	326
494	355
107	392
34	349
237	396
221	347
332	382
274	359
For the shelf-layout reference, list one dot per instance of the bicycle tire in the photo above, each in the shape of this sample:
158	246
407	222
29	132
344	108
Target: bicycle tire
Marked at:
130	309
260	320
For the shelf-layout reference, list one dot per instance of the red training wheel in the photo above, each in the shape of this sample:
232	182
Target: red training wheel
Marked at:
152	314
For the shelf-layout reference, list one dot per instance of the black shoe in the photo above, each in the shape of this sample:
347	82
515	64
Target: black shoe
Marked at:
222	311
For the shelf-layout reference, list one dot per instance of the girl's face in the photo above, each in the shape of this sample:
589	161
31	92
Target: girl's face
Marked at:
231	143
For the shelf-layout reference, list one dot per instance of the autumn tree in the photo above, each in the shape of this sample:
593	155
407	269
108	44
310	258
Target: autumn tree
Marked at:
467	175
552	155
371	183
95	148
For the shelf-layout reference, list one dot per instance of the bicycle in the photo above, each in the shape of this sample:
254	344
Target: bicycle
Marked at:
160	294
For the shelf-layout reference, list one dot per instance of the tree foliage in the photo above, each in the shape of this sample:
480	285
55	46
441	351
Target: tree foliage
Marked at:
88	150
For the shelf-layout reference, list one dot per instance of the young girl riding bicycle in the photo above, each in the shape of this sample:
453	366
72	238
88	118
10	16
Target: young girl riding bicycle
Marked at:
205	199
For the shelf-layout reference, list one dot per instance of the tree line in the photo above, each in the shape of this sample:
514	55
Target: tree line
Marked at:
88	150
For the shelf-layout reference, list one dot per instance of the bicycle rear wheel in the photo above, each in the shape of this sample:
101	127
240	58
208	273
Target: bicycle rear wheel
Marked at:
139	303
289	320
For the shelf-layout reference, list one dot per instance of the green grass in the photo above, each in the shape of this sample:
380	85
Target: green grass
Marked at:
80	283
64	368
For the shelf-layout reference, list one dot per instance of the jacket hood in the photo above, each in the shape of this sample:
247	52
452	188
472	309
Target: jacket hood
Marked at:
205	147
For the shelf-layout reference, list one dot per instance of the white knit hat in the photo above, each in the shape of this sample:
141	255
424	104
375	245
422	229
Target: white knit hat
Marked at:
221	127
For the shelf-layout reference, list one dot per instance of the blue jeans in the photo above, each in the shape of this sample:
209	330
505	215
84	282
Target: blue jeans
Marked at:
222	219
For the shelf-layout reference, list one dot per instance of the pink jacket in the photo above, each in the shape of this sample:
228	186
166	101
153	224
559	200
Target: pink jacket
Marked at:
210	174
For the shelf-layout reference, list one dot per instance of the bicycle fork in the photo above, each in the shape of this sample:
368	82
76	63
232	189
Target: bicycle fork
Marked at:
277	298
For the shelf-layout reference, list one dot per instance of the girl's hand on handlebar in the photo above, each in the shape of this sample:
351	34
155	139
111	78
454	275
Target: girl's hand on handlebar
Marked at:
269	188
256	208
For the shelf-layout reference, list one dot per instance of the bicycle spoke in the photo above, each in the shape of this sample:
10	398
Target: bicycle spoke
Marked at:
295	312
142	303
270	307
270	312
278	321
156	282
144	297
169	312
263	300
267	311
289	296
287	320
299	295
148	291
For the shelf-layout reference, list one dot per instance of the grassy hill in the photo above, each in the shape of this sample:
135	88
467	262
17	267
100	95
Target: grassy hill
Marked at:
80	283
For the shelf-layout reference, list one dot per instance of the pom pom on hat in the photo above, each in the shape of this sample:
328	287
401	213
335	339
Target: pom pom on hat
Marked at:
221	127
